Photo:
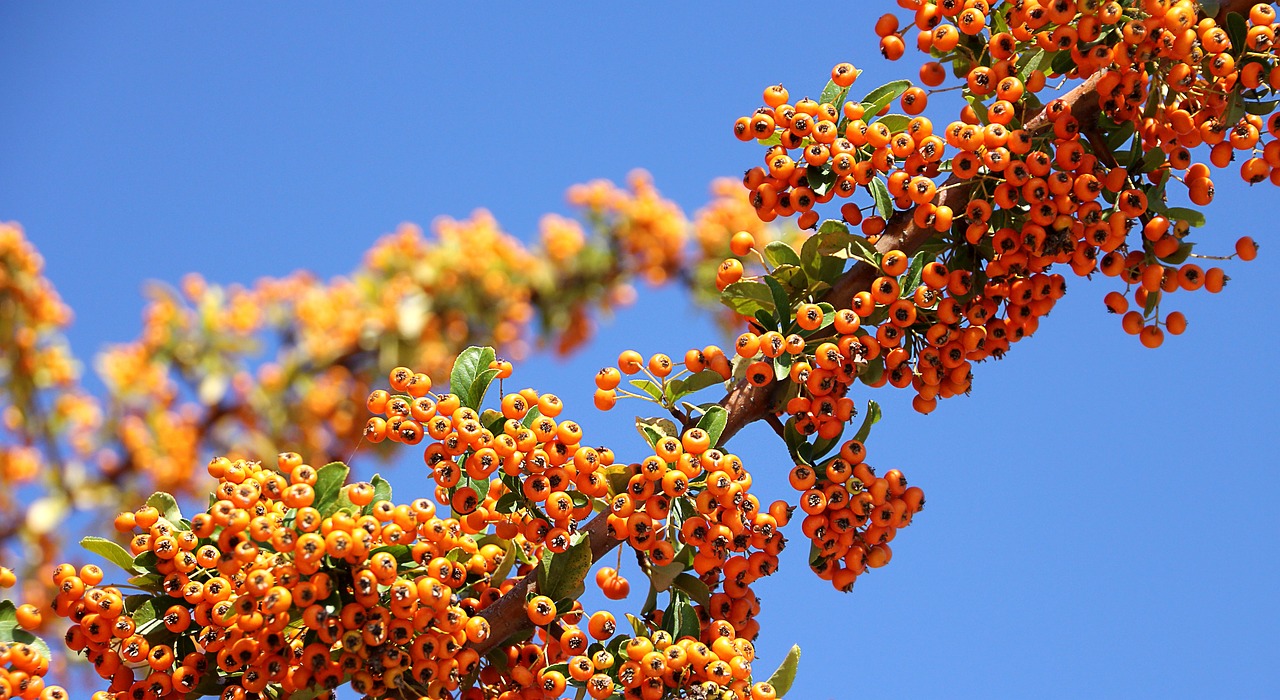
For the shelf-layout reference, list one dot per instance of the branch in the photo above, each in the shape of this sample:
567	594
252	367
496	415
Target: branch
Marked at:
746	403
507	615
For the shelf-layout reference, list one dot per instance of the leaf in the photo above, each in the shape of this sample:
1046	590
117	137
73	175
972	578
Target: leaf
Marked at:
329	481
145	613
912	280
791	278
648	387
662	576
872	417
638	626
782	678
1180	255
1210	7
1029	62
834	94
1152	160
466	370
508	561
508	503
679	388
781	300
880	97
1153	300
112	552
979	108
680	619
654	429
480	486
713	422
1238	32
561	574
747	298
779	253
617	476
895	122
1261	109
694	587
480	386
10	632
1120	136
880	192
820	178
167	505
1191	216
381	490
1235	107
147	582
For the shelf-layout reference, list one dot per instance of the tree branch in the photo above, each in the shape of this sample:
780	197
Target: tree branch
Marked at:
747	403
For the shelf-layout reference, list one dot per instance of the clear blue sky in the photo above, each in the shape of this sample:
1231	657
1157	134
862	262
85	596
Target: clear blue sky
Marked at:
1101	518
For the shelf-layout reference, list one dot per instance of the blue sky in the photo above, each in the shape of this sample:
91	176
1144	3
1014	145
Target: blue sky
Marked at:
1101	518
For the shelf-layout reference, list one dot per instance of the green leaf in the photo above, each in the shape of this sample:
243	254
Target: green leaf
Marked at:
167	505
1210	7
654	429
679	388
680	619
381	490
617	476
880	192
694	587
1191	216
112	552
912	280
145	613
662	576
782	678
467	369
1238	32
834	94
329	481
979	108
1235	107
508	561
638	626
713	422
781	300
1061	63
779	253
880	97
1261	109
895	122
561	574
1029	62
1152	160
774	139
747	298
10	632
507	503
872	417
1180	255
480	386
1153	300
1120	136
648	387
147	582
792	279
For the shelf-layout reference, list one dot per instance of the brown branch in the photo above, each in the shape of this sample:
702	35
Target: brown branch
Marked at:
507	615
746	403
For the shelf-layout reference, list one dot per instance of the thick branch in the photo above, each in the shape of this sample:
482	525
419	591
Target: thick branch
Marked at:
747	403
507	615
